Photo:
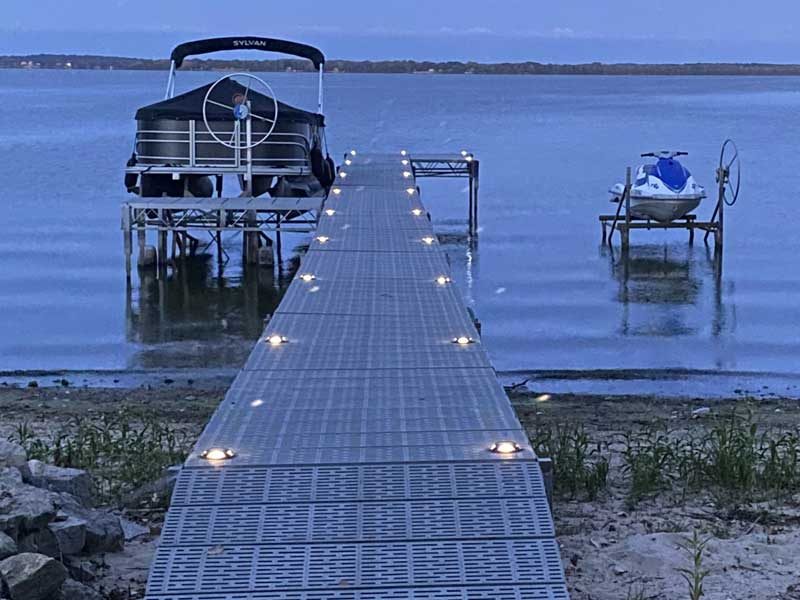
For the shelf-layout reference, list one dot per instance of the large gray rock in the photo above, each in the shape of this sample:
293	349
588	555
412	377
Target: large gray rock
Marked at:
10	476
8	546
72	590
103	530
70	535
24	508
12	455
59	479
32	576
40	542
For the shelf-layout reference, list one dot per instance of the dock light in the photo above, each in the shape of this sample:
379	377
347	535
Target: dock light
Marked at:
468	158
428	240
463	340
404	161
215	454
256	403
416	211
337	191
464	153
348	162
330	212
505	447
322	238
543	397
403	152
352	152
342	174
443	280
307	277
276	340
411	191
406	174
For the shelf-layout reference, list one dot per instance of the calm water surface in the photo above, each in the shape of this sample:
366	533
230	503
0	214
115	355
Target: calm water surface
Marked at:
549	296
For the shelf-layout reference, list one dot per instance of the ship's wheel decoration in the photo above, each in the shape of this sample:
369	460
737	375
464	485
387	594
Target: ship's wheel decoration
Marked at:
241	112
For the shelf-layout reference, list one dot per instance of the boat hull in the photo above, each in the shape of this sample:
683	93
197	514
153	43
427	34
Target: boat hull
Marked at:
663	210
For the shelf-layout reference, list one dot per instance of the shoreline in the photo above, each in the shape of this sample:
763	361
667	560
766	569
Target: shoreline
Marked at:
608	547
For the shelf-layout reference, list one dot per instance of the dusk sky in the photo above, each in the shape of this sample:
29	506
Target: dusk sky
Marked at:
513	30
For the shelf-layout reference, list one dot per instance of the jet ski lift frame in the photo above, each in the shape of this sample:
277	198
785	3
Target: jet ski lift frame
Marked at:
728	176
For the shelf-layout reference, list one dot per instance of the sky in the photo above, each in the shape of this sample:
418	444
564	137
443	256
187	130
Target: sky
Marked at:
482	30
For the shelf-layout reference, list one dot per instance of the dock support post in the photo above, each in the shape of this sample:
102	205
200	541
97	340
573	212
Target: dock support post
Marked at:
218	234
625	232
722	176
250	240
161	255
474	181
278	243
127	238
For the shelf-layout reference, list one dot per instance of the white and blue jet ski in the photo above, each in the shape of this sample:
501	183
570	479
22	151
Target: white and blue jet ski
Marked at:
662	191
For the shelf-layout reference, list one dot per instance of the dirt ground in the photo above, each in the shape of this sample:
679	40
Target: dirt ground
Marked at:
610	552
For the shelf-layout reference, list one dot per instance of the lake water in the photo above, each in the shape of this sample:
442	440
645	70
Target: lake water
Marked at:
549	295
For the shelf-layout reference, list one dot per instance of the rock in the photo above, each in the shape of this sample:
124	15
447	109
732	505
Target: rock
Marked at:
40	542
72	590
12	455
32	576
58	479
132	530
24	508
103	530
7	546
155	493
70	535
10	476
80	568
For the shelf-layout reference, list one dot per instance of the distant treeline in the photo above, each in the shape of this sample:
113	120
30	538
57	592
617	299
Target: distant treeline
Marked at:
68	61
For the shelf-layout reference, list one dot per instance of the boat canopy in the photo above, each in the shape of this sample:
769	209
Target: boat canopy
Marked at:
189	106
246	43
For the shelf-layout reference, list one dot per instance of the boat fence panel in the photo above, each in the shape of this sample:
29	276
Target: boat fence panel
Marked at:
359	432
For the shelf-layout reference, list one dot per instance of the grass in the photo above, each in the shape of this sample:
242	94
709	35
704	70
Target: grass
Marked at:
580	467
696	574
122	451
730	456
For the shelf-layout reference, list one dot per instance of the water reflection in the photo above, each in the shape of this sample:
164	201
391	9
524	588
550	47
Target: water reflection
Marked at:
668	290
171	317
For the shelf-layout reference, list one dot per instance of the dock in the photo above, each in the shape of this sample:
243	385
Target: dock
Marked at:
366	450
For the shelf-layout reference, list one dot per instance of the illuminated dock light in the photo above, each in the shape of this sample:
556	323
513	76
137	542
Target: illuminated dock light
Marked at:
307	277
443	280
428	240
505	447
256	403
322	239
330	212
352	152
403	153
464	153
276	340
348	162
463	340
406	174
411	191
343	174
337	191
215	454
416	211
404	161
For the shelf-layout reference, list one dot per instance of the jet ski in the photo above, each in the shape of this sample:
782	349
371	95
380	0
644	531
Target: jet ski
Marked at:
662	191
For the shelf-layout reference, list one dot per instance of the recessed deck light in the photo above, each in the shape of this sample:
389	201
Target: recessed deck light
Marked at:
428	240
463	340
348	162
505	447
411	191
342	174
352	152
322	238
307	277
468	158
416	211
215	454
443	280
403	152
464	153
337	191
330	212
404	161
256	403
276	340
406	174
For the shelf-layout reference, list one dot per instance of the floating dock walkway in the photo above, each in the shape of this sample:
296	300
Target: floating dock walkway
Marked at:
352	455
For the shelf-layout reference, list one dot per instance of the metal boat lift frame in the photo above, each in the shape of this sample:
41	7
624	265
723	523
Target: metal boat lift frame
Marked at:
445	165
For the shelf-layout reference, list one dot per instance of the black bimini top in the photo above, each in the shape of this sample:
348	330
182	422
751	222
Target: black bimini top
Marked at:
189	106
246	43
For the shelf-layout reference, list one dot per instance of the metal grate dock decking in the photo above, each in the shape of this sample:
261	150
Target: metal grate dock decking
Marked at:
361	468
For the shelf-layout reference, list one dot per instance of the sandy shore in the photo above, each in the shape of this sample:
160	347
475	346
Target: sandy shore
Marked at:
610	550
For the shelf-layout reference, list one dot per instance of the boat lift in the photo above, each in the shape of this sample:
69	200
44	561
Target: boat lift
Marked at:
728	177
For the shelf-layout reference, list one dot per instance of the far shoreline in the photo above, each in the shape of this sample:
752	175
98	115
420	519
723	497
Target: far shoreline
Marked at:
81	62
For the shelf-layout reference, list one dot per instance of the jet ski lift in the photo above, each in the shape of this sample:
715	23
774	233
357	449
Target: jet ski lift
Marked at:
637	210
